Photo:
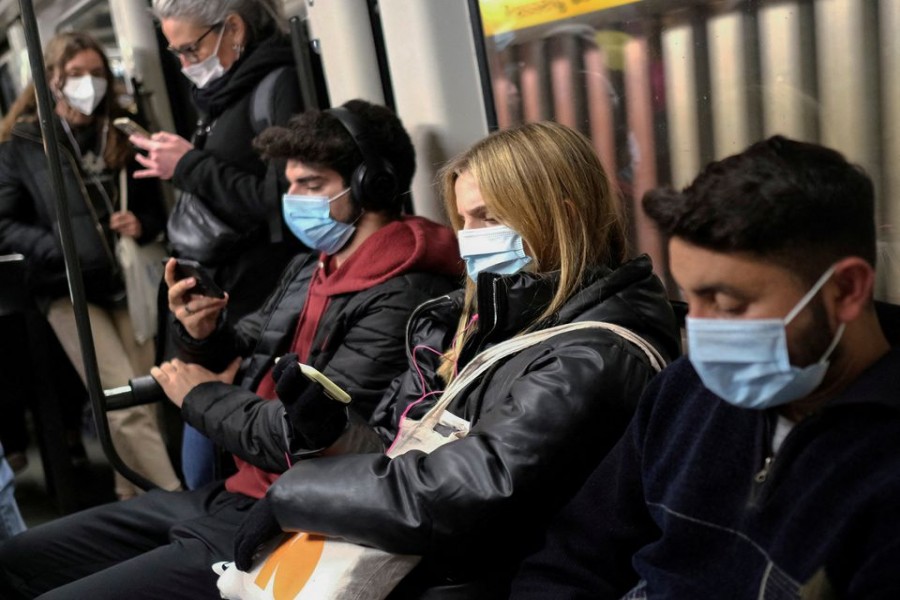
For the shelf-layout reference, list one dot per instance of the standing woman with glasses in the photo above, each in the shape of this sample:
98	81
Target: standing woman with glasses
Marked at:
94	155
227	49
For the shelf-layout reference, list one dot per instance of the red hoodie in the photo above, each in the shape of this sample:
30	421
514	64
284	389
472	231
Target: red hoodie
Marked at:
411	244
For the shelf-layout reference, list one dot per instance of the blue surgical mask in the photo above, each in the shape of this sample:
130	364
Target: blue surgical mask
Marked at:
746	362
493	249
309	218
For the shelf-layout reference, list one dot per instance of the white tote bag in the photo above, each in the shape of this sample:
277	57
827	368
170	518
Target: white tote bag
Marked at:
142	270
310	567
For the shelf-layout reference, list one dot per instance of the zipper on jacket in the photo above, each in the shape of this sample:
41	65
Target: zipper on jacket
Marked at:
763	473
412	318
762	478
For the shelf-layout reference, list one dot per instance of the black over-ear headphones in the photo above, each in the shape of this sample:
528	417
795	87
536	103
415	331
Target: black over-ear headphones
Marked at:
374	180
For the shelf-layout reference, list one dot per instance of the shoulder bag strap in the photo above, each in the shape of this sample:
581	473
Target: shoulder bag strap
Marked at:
485	360
262	113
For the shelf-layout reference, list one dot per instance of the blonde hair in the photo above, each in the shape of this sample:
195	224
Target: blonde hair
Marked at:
545	182
59	51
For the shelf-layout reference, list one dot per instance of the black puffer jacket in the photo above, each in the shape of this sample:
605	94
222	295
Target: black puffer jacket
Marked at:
29	224
358	345
229	177
541	421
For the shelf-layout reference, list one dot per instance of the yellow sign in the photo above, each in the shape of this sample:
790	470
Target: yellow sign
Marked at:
501	16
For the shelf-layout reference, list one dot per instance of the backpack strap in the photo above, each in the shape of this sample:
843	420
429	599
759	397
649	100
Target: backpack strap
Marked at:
262	116
262	103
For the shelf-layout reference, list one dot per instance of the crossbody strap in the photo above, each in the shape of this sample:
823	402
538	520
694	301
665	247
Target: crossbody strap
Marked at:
262	116
491	356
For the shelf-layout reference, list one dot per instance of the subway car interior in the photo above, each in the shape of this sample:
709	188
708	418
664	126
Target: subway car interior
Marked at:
660	88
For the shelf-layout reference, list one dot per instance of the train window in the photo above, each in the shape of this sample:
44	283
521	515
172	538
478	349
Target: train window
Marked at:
664	86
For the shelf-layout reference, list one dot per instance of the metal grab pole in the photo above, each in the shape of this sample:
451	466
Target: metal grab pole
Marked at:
73	270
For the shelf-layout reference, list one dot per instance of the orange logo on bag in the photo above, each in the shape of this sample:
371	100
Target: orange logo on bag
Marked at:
298	556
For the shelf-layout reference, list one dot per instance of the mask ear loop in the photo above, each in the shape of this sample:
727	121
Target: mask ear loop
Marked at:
805	300
362	210
810	294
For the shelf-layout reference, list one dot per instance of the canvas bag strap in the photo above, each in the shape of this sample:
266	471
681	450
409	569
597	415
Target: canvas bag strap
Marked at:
123	189
491	356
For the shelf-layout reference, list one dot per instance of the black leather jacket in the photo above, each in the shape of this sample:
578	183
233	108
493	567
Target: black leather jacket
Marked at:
29	224
344	349
541	421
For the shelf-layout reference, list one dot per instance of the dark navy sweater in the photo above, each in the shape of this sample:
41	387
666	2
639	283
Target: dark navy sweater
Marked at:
685	506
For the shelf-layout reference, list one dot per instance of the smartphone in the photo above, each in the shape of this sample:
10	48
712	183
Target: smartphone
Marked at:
206	286
129	127
332	390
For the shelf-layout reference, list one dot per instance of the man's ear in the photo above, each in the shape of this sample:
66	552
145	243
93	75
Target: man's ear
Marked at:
855	280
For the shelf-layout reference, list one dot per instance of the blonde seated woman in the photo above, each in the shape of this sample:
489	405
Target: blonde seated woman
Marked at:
543	237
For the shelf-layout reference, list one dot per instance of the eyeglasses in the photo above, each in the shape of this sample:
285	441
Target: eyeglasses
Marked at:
189	51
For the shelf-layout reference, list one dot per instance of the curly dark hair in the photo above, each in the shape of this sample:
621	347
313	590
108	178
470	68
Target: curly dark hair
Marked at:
317	138
800	205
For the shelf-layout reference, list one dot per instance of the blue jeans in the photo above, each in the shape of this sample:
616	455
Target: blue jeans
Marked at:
198	458
11	521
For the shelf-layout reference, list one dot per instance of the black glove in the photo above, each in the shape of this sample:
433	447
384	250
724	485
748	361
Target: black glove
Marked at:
259	527
316	418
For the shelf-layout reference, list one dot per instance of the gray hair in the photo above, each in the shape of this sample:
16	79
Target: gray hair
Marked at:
263	17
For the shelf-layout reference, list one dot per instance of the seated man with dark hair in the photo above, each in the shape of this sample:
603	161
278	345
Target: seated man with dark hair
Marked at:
342	310
767	463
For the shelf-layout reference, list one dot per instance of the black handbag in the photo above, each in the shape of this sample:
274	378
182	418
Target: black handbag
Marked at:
195	232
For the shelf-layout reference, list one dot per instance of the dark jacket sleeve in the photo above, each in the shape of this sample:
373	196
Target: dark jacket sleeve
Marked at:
240	422
589	545
226	342
17	234
561	414
236	194
257	430
370	354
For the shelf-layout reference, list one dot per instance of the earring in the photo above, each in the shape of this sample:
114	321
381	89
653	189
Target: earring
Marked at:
238	48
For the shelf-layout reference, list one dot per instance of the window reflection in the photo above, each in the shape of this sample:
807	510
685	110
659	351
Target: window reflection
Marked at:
664	87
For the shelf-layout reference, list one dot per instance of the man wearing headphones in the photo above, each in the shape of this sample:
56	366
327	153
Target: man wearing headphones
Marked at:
341	310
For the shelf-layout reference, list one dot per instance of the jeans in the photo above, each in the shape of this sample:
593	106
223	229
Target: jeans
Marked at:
11	522
198	458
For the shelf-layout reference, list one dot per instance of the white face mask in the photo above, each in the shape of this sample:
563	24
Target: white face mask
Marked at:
84	93
207	70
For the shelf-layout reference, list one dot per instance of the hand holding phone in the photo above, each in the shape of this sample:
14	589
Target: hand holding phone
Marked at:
331	389
314	405
129	127
205	284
